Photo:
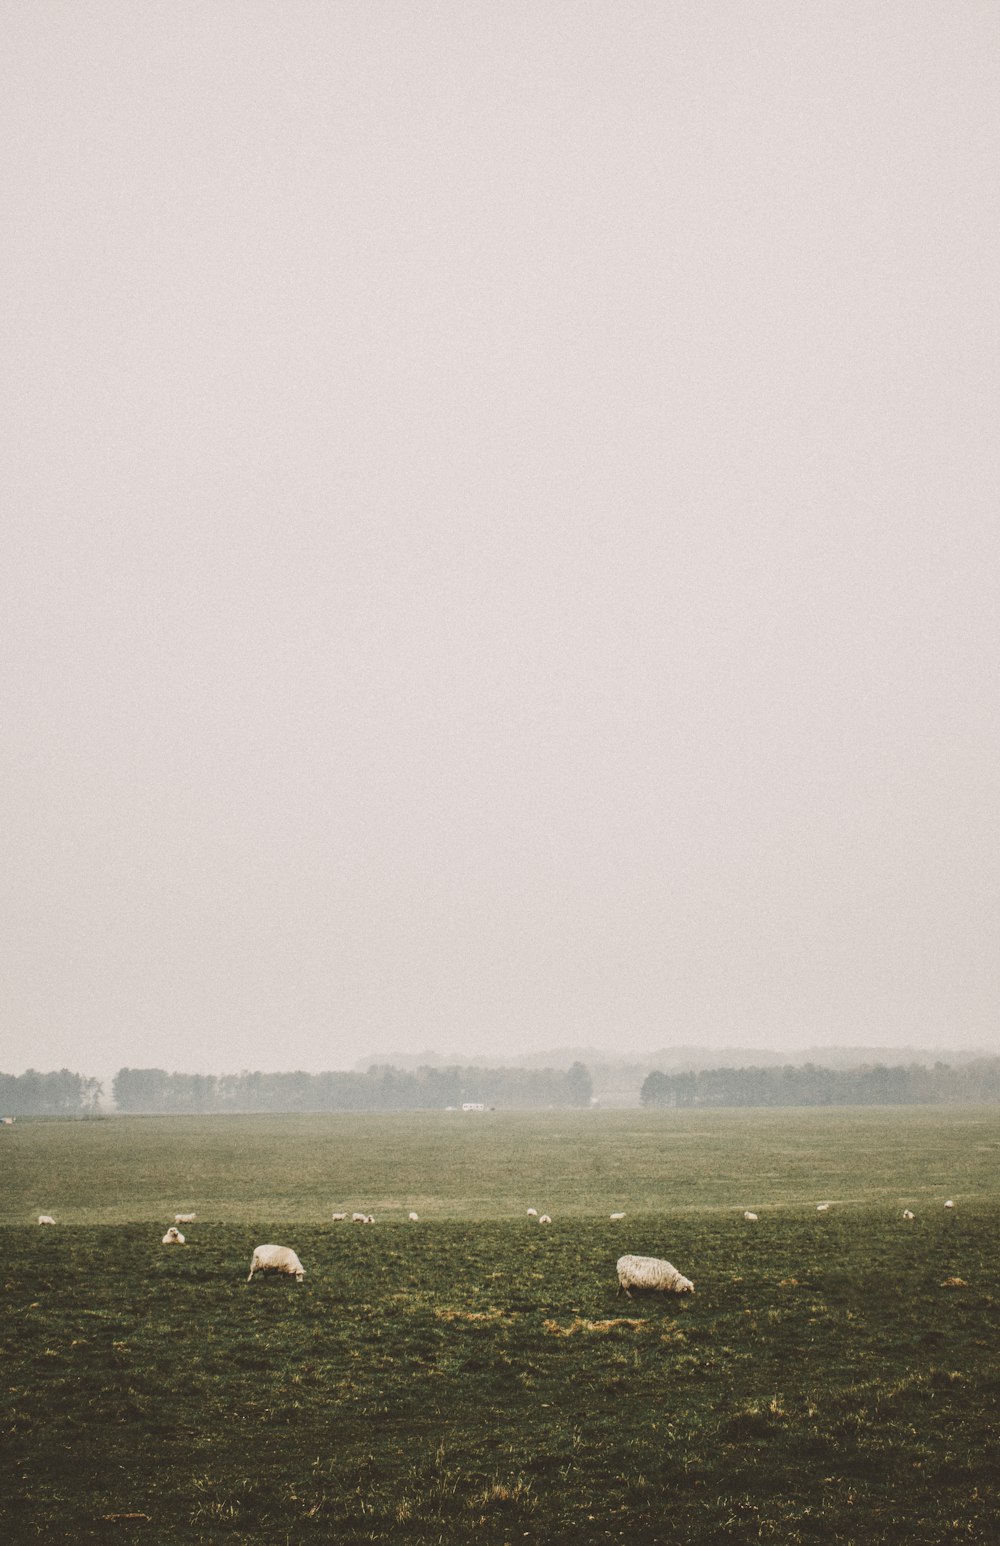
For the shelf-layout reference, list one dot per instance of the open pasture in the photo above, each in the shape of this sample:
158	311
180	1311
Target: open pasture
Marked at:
491	1165
474	1375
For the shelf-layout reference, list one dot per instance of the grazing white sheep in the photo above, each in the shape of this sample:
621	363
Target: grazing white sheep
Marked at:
338	1218
751	1218
276	1258
532	1213
183	1218
949	1203
359	1218
615	1216
45	1218
414	1217
545	1219
172	1237
651	1272
822	1207
907	1214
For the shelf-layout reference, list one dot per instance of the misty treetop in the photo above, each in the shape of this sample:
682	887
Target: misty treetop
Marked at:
381	1088
61	1094
809	1085
384	1087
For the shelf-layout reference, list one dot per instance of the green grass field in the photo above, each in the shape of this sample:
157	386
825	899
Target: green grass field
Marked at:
473	1375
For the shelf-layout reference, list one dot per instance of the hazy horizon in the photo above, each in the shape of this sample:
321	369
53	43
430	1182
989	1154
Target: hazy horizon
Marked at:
502	544
668	1057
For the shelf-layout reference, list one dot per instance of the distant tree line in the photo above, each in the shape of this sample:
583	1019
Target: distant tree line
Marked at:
809	1085
381	1088
59	1094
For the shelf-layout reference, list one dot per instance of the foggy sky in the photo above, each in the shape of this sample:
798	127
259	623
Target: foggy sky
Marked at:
501	541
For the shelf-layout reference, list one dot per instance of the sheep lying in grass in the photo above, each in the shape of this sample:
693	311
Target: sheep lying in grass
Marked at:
652	1273
532	1213
751	1218
276	1258
545	1219
414	1217
907	1214
173	1236
45	1218
614	1217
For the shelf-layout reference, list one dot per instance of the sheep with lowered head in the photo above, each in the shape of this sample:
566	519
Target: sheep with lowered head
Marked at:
277	1258
652	1273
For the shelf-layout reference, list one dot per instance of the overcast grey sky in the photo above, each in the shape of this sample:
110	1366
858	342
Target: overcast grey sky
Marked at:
501	536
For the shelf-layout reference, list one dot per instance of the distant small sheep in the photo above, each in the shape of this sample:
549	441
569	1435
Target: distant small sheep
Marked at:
532	1213
338	1218
907	1214
172	1237
359	1218
414	1217
751	1218
822	1207
545	1219
653	1273
276	1258
183	1218
614	1217
949	1203
369	1218
45	1218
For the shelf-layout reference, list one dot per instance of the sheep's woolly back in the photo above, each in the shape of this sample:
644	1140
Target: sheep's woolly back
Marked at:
276	1258
651	1272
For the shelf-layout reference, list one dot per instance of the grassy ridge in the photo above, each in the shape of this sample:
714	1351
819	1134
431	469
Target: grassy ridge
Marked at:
492	1164
834	1378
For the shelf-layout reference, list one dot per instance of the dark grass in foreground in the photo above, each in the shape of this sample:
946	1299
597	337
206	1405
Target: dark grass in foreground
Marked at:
834	1379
